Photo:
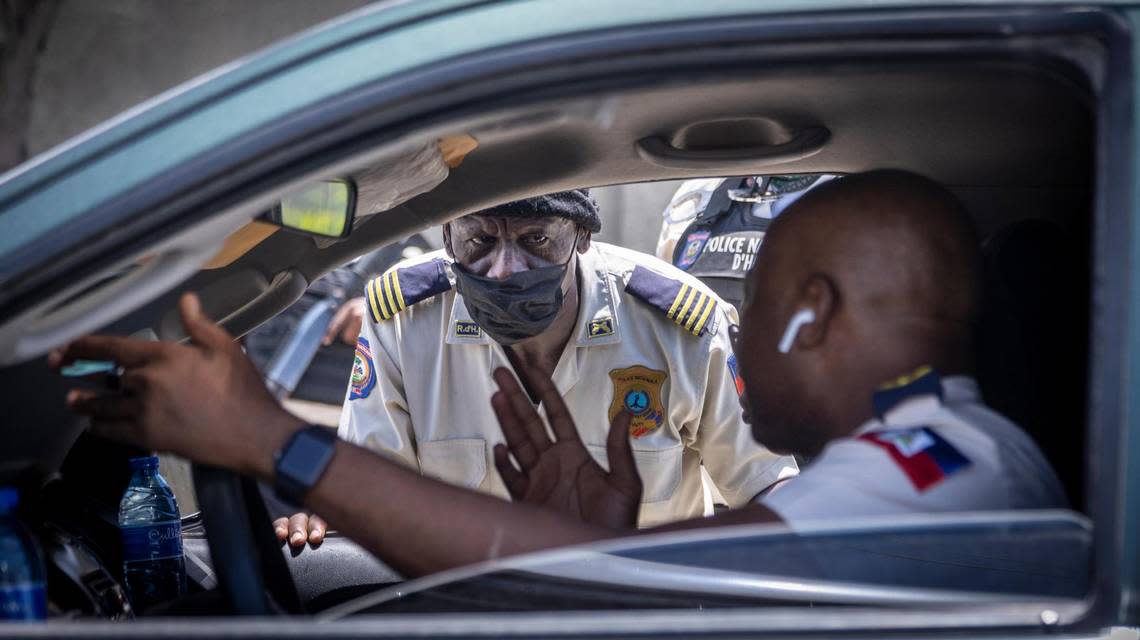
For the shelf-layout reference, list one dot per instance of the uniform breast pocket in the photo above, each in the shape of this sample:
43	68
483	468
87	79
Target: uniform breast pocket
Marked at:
462	461
660	470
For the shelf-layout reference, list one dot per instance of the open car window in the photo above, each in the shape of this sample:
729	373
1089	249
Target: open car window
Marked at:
1047	198
978	559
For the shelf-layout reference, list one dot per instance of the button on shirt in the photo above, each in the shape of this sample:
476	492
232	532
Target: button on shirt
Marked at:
426	399
924	456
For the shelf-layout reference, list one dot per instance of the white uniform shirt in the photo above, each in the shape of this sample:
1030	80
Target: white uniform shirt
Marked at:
422	387
924	456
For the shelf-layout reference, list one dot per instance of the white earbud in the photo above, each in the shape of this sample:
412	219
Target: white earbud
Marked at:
802	317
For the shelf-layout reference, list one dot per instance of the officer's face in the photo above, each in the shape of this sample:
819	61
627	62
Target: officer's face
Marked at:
496	247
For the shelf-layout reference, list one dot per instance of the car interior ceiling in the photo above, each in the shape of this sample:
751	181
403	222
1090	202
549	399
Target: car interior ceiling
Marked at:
1013	139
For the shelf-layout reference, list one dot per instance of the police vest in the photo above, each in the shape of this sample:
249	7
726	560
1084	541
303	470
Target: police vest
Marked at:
720	245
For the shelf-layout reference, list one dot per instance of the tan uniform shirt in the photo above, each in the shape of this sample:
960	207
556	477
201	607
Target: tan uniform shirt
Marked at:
422	383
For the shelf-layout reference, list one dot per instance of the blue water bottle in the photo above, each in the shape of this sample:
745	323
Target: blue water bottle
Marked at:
22	595
153	567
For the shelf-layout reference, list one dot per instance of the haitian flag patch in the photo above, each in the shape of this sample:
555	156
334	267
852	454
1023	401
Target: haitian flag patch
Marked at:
734	369
923	455
363	372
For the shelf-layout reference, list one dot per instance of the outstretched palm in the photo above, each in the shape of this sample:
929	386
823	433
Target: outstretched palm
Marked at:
560	473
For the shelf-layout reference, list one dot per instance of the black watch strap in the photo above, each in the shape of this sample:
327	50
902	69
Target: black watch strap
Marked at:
302	462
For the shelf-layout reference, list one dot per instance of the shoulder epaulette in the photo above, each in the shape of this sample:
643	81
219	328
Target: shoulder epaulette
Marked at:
401	287
687	306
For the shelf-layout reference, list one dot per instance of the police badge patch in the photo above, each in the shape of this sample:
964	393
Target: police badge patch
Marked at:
363	372
638	391
694	243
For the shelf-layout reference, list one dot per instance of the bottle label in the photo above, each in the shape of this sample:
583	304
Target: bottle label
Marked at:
23	602
153	541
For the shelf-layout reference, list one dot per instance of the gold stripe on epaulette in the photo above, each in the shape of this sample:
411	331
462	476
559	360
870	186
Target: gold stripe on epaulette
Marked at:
396	290
370	290
686	306
702	302
389	299
677	301
906	379
700	326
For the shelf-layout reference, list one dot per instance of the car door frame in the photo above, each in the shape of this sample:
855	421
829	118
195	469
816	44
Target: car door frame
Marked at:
1113	425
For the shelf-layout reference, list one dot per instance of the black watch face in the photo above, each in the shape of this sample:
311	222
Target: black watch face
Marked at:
305	458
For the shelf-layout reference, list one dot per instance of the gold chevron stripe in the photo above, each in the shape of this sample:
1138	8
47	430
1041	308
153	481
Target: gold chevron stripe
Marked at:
396	290
388	297
370	289
686	306
386	312
702	302
704	318
677	301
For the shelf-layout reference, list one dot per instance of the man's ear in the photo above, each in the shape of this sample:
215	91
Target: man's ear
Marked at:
819	294
584	241
447	240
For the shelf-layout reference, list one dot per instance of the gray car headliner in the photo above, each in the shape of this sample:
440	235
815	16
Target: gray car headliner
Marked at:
1013	138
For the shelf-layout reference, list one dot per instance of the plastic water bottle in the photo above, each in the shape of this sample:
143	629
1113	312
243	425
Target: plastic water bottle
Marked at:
153	566
22	595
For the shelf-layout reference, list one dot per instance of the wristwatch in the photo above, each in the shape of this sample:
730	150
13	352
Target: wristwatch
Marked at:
302	462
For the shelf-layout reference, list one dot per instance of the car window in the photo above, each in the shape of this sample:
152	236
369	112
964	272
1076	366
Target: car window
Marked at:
876	562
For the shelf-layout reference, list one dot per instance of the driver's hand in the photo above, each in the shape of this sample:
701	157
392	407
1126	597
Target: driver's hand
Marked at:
300	528
203	400
346	323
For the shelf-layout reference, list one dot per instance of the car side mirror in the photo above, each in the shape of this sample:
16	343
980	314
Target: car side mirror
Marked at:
326	208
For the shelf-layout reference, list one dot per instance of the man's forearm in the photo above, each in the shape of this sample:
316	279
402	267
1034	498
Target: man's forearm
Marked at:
419	525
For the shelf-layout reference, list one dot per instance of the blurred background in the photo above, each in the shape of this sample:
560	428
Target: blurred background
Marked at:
68	65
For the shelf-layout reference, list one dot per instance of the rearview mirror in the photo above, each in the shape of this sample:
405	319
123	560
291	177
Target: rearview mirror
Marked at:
326	208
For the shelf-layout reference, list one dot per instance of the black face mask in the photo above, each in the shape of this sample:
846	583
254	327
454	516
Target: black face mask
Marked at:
518	307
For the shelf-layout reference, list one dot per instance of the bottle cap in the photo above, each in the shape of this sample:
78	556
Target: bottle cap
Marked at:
144	462
9	499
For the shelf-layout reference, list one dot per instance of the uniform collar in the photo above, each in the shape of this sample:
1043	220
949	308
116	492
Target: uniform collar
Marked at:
597	322
461	328
956	391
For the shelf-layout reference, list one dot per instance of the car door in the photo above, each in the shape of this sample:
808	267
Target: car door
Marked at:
198	165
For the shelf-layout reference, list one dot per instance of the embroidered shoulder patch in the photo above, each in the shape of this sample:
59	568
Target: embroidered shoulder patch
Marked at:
689	307
401	287
923	455
363	371
694	244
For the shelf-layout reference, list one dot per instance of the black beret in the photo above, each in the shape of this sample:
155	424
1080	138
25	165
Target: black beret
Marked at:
576	206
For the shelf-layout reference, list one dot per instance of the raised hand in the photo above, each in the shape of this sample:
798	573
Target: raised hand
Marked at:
560	473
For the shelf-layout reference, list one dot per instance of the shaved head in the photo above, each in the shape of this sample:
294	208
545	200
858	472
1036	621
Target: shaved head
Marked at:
887	262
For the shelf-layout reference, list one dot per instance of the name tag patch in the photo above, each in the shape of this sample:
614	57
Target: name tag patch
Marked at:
924	456
467	329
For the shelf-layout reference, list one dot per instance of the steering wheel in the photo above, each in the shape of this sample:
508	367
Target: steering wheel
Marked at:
251	569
